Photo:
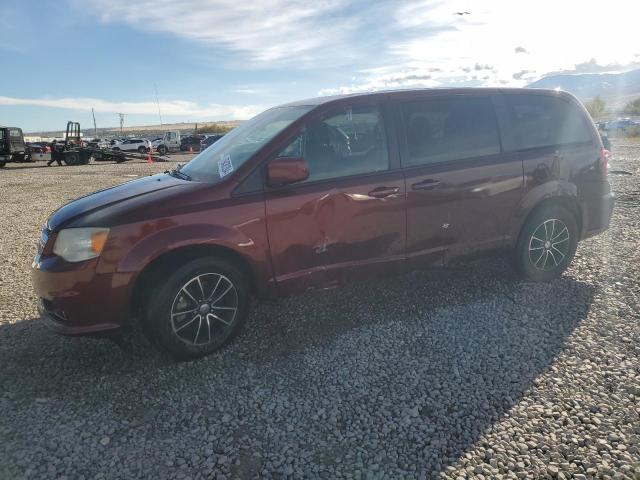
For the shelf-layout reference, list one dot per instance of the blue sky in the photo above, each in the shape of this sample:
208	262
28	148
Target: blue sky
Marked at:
228	59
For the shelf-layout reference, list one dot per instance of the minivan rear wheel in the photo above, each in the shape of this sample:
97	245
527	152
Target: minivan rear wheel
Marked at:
198	308
547	243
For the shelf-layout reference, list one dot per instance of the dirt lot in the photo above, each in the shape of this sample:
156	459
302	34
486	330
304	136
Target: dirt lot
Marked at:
464	372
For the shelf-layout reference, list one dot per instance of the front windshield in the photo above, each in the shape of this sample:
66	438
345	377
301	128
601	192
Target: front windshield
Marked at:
236	147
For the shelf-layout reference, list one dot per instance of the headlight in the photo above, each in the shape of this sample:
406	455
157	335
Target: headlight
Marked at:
78	244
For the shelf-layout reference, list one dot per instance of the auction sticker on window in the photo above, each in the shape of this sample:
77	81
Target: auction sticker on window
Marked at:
225	167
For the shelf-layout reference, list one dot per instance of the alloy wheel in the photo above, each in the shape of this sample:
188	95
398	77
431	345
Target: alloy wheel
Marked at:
549	245
204	309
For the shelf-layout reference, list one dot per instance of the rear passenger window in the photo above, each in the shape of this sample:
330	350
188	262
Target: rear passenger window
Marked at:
449	128
349	141
543	120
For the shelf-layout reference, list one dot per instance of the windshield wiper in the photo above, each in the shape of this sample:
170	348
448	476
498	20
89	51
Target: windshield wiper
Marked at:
178	174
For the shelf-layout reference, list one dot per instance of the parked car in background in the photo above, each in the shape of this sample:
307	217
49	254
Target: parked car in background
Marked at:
98	143
191	142
620	125
37	151
210	140
321	192
155	143
133	144
38	147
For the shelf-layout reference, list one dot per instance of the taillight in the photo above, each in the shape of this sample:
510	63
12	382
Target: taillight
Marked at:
605	156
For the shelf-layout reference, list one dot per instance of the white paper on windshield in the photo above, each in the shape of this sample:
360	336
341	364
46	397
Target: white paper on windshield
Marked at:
225	167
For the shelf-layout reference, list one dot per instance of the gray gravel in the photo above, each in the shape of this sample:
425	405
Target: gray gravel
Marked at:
459	373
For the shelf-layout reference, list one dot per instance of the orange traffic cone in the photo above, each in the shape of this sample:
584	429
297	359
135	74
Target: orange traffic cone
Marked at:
149	157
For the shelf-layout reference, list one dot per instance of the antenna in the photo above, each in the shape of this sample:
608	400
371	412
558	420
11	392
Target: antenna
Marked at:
158	102
121	121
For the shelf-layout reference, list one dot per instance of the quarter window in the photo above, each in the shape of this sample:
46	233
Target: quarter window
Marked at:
349	141
543	120
449	128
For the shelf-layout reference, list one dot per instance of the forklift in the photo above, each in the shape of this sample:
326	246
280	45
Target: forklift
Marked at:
71	152
74	152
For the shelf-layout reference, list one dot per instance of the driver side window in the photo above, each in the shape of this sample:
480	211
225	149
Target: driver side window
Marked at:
349	141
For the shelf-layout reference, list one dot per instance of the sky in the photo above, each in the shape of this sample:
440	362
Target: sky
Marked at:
204	60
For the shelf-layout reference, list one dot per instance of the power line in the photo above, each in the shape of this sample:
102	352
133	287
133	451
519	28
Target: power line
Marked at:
121	121
158	102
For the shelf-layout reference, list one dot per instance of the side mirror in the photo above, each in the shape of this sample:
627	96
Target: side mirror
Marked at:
286	170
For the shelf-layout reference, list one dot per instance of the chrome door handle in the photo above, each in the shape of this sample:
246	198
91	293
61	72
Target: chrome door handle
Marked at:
427	184
382	192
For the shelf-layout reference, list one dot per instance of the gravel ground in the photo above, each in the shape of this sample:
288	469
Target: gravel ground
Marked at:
458	373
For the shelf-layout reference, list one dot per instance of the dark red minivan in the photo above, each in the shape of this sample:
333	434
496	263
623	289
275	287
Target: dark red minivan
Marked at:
324	191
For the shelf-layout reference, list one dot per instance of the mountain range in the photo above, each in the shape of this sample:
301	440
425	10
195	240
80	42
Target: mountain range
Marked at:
614	88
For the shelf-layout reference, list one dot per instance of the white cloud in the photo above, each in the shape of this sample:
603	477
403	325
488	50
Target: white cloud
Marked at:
265	31
169	108
250	90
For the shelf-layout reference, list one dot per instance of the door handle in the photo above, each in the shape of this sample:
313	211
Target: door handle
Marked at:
382	192
427	184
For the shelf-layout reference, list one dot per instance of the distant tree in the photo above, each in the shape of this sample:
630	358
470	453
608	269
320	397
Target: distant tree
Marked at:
595	107
633	107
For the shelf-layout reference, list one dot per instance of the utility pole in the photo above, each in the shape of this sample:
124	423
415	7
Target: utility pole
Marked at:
95	129
121	121
158	102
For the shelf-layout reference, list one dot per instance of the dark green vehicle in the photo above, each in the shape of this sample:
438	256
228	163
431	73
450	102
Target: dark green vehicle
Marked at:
12	146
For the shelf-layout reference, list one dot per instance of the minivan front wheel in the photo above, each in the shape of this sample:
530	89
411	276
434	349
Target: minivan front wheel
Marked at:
547	243
198	308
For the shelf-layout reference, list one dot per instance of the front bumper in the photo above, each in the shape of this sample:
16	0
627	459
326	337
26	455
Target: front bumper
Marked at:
74	299
57	321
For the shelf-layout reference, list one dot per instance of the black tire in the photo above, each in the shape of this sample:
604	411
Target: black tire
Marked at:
162	150
2	164
142	150
72	159
185	336
547	243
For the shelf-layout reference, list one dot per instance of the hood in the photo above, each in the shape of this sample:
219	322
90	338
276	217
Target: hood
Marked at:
111	196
